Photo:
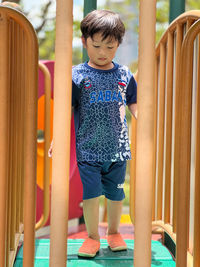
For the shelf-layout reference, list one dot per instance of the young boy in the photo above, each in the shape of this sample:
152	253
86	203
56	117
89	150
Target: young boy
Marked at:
101	90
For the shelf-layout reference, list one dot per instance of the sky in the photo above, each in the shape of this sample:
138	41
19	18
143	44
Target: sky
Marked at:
29	5
34	6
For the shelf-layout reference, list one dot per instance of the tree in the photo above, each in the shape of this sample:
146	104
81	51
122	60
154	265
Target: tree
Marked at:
128	9
45	30
43	14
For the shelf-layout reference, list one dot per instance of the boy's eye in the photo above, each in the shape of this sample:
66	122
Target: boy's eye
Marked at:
109	47
96	46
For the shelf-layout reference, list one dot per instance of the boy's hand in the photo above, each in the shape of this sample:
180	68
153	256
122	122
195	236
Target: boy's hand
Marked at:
133	110
50	151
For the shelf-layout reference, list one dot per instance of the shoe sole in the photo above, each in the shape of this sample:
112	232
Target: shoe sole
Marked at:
119	248
86	255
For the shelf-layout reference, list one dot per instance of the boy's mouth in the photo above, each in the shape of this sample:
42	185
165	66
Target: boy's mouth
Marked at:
102	58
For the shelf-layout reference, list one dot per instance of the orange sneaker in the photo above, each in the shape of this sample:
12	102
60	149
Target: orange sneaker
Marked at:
89	248
116	242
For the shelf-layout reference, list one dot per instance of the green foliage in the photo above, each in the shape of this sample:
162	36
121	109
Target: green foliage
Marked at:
77	56
192	4
76	28
162	11
162	17
47	46
125	8
47	43
162	14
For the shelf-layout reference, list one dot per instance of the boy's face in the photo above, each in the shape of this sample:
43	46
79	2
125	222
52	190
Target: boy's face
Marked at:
100	52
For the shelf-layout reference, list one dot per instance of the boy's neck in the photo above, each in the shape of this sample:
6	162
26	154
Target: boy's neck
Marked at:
103	67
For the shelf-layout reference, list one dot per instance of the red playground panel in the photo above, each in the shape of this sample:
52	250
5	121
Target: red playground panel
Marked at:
75	185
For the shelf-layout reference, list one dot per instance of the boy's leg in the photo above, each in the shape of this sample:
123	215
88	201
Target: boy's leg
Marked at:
113	183
91	216
115	240
90	173
114	216
91	245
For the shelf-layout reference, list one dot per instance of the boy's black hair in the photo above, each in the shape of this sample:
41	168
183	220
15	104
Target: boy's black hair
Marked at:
104	21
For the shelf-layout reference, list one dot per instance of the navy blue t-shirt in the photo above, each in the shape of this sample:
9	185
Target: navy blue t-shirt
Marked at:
99	98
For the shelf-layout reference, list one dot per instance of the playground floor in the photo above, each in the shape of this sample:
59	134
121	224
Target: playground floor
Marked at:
160	255
77	233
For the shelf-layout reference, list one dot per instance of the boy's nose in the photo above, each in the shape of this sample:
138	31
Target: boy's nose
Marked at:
101	52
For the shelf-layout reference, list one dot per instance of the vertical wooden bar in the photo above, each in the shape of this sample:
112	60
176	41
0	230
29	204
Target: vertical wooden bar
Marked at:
20	123
4	134
196	249
161	123
188	24
184	149
23	127
179	39
9	181
169	96
12	135
133	165
61	133
30	145
155	141
133	169
18	71
145	130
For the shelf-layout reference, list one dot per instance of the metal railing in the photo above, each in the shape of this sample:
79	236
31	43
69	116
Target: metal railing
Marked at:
18	128
176	138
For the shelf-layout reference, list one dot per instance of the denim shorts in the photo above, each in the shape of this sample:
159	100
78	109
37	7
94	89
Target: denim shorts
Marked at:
103	178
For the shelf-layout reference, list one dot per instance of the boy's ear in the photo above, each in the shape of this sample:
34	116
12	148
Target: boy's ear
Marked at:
83	41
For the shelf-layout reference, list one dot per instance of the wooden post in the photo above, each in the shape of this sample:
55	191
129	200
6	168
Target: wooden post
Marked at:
145	138
61	133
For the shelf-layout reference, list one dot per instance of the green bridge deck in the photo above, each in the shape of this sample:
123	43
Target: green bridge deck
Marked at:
160	255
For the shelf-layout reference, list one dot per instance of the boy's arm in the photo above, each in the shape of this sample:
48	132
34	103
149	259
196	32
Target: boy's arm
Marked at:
133	109
50	151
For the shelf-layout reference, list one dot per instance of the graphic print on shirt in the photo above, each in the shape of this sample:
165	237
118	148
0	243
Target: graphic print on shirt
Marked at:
105	96
123	139
87	83
102	133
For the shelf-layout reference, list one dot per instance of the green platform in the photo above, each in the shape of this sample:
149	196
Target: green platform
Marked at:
106	258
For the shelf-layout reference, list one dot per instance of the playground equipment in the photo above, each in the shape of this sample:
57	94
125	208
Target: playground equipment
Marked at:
45	127
173	144
175	135
18	109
